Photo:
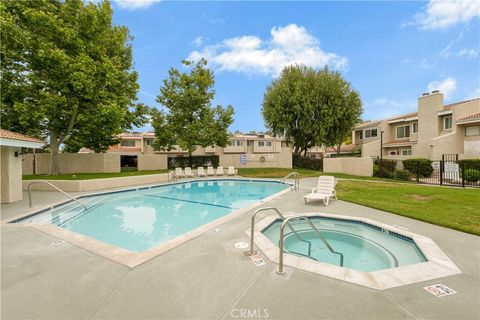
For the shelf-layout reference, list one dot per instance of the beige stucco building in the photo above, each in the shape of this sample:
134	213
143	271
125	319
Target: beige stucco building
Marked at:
11	144
244	150
434	130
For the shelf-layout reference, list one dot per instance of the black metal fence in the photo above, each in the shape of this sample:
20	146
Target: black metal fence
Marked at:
448	171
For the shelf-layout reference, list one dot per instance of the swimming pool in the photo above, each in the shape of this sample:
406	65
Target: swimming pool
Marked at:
365	247
140	219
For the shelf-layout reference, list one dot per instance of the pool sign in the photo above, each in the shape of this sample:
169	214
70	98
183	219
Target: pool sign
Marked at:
243	159
440	290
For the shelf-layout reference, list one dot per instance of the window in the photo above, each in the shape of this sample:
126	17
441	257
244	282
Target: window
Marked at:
370	133
361	134
261	143
236	143
415	127
406	152
268	143
128	143
472	131
249	143
149	142
403	132
447	123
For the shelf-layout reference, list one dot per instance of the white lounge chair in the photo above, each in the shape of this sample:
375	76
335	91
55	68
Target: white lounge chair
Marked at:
188	172
179	172
201	172
210	171
231	171
219	171
324	191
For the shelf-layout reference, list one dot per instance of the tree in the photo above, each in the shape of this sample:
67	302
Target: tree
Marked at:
311	107
67	74
191	120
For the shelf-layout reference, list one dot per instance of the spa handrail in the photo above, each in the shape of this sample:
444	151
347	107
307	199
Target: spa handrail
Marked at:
297	180
252	227
53	186
282	240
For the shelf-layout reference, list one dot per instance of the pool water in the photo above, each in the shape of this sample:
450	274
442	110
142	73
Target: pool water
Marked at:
138	220
364	247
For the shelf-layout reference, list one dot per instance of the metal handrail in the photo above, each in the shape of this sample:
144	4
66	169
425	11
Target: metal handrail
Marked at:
252	227
53	186
174	175
297	180
282	240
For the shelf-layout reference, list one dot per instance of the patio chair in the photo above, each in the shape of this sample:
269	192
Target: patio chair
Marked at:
201	172
210	171
231	171
324	191
188	172
219	171
179	172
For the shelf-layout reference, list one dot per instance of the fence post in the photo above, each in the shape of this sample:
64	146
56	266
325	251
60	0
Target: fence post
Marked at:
418	171
463	174
441	171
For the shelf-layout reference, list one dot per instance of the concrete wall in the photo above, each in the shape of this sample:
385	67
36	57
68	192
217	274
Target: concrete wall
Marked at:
275	160
356	166
74	163
10	175
152	162
371	149
99	184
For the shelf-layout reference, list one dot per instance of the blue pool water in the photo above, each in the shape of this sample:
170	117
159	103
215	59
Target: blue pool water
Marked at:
141	219
364	247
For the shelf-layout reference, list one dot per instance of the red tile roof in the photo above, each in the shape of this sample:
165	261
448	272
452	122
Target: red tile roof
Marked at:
470	117
397	142
343	148
6	134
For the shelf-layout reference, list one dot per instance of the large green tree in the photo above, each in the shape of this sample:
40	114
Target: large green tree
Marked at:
190	119
311	107
66	74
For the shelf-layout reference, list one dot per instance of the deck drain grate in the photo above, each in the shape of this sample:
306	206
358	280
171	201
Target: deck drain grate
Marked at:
440	290
57	243
241	245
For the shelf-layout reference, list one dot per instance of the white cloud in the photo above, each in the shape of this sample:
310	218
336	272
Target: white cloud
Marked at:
441	14
249	54
135	4
198	41
468	53
447	87
383	107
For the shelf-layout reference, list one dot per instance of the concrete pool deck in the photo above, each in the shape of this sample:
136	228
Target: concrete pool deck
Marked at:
209	278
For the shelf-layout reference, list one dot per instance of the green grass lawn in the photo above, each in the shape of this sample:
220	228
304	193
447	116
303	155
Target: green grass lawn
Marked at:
454	208
88	176
304	173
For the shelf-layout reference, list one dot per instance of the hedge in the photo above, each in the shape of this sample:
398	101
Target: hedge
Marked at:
469	164
307	163
472	175
193	162
421	167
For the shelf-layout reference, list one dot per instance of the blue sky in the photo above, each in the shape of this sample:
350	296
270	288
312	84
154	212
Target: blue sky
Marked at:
391	52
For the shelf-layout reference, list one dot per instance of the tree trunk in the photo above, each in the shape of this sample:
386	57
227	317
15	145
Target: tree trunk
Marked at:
54	150
190	159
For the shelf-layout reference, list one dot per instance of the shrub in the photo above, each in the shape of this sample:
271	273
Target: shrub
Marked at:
469	164
472	175
402	175
194	162
385	173
422	167
307	163
390	165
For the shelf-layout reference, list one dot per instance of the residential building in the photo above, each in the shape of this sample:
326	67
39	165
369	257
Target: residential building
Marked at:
434	130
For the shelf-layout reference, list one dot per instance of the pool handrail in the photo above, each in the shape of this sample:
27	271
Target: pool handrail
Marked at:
252	251
297	180
282	241
53	186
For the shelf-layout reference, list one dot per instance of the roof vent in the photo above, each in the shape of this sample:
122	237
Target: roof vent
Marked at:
425	94
435	91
